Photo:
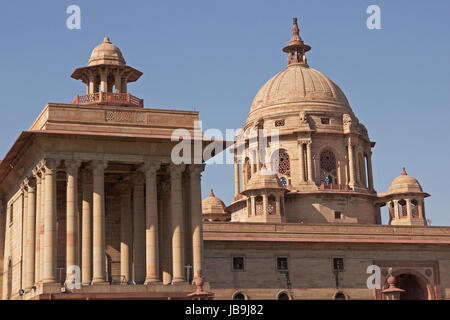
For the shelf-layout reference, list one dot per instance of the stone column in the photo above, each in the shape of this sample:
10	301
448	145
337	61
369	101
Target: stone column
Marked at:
166	259
237	190
301	160
50	236
369	170
196	217
71	214
30	233
118	81
277	206
37	257
41	224
151	222
308	151
253	205
23	232
351	164
421	209
86	227
98	221
91	84
103	81
396	213
408	208
124	83
265	204
126	230
177	222
138	227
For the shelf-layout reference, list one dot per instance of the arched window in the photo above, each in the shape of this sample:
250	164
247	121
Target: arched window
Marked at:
259	206
248	169
283	296
402	211
271	205
391	210
238	296
281	164
340	296
328	173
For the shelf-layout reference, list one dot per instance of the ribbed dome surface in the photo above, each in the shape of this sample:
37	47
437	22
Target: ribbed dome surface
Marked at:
298	83
405	183
106	53
264	178
213	205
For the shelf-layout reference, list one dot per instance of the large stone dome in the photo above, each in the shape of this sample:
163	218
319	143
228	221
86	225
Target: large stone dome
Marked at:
298	84
106	53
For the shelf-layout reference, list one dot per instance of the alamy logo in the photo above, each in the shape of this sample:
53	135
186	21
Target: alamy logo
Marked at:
74	20
374	20
374	280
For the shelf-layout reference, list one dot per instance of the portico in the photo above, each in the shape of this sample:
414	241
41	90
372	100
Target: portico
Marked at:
99	198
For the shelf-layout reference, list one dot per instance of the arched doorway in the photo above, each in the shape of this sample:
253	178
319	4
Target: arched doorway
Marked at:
415	288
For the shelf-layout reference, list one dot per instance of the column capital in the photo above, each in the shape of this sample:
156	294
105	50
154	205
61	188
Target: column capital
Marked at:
30	184
98	165
125	186
50	164
37	171
72	166
151	166
196	169
164	186
304	141
86	175
137	177
176	170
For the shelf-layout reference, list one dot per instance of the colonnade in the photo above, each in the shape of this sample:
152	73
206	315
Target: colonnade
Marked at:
139	232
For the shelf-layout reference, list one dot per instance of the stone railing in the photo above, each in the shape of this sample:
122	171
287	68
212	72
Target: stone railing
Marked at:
123	99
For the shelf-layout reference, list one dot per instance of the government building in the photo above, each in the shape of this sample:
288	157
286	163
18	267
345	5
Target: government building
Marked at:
92	205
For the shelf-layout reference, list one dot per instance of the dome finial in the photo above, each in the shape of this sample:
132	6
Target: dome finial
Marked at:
296	47
106	40
404	172
211	194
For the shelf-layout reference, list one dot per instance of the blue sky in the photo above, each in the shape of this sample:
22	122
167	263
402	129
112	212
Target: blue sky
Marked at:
213	56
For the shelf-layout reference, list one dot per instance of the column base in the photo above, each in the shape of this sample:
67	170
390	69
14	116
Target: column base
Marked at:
51	281
100	283
178	281
152	281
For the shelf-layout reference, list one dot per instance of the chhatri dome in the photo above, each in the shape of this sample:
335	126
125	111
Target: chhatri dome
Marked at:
213	209
106	53
405	183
